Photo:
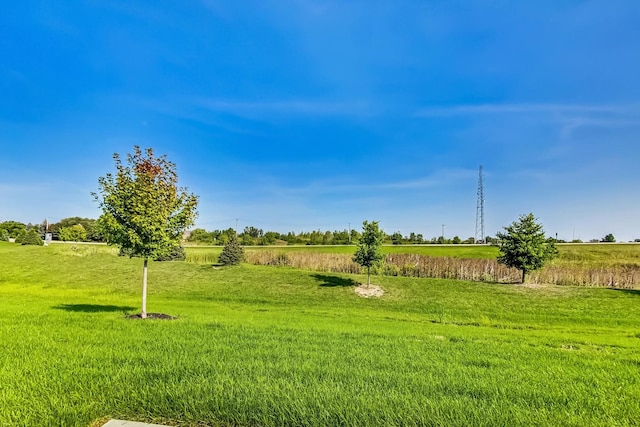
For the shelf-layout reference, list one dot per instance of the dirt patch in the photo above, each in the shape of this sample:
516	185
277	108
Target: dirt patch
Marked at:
369	291
160	316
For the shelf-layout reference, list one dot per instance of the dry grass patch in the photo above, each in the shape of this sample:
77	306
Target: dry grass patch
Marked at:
369	291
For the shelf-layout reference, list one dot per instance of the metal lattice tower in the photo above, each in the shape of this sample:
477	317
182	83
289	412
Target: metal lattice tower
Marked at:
480	209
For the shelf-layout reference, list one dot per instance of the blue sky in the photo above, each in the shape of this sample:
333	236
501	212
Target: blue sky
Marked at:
302	115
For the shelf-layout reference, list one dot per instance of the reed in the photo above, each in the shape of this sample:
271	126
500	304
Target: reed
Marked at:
488	270
325	262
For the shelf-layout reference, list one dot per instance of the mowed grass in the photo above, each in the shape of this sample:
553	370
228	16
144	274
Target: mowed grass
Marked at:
265	346
599	255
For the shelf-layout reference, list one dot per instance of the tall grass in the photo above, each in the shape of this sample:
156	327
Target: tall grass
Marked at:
202	255
415	265
325	262
455	251
621	277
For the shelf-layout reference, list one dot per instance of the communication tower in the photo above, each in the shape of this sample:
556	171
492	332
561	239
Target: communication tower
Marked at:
480	209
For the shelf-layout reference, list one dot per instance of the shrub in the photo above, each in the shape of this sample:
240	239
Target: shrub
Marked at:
4	236
176	254
31	237
232	253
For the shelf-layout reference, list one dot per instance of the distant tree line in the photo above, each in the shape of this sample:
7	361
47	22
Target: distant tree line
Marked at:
252	236
77	229
74	229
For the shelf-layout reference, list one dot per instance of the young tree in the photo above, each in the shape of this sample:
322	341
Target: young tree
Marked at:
232	253
368	252
524	245
145	213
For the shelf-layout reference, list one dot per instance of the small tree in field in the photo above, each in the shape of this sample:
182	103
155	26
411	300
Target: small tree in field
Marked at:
232	253
145	213
608	238
368	253
524	245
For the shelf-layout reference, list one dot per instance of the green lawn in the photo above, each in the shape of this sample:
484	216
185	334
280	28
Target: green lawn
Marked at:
600	255
277	346
457	251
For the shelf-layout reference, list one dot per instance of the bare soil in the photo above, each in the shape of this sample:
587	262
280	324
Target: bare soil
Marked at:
369	291
161	316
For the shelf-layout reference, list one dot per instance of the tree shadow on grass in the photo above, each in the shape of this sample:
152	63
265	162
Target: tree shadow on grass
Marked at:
333	281
93	308
635	292
208	266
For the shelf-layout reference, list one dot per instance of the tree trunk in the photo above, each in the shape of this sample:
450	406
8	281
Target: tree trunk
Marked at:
144	289
368	277
523	273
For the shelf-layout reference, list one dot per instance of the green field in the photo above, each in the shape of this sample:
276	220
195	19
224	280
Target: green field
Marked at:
267	346
458	251
600	255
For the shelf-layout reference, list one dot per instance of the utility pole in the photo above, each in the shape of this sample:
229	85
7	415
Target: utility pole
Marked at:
479	238
442	231
236	226
349	233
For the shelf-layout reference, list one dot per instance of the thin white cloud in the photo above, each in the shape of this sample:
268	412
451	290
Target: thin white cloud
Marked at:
526	108
573	123
568	118
438	180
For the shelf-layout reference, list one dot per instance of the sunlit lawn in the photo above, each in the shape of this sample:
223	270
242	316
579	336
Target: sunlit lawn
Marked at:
278	346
